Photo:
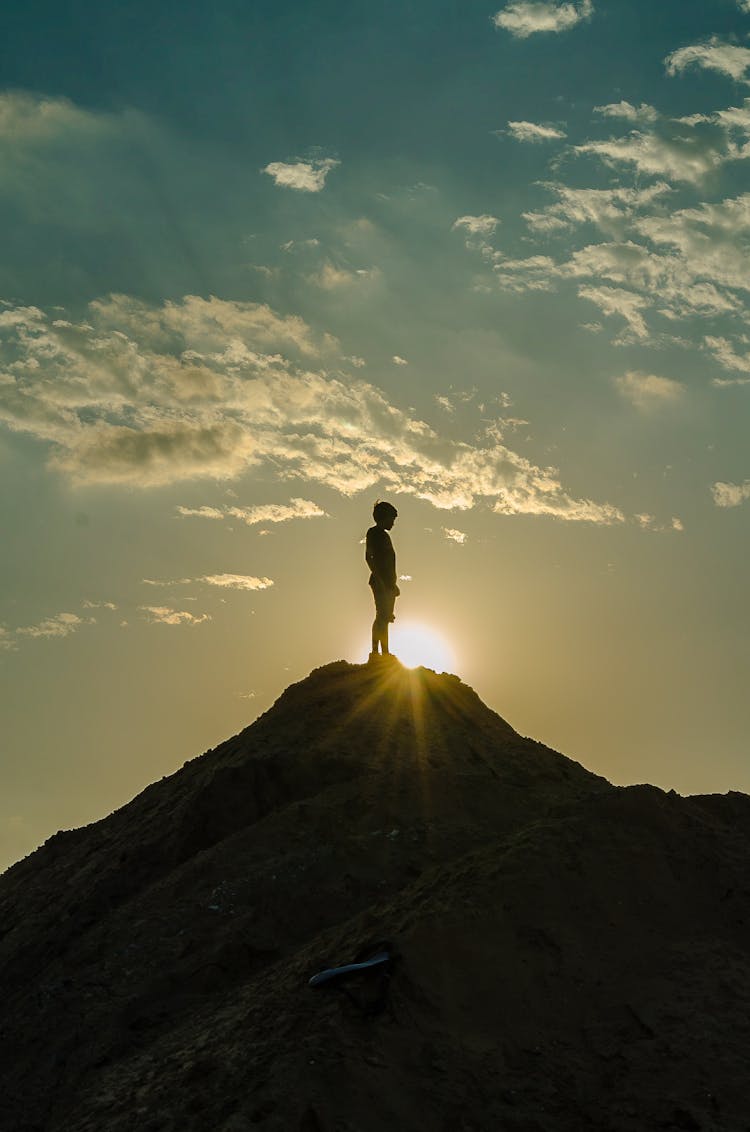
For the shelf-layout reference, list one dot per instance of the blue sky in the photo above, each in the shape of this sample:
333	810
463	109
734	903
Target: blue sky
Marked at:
263	263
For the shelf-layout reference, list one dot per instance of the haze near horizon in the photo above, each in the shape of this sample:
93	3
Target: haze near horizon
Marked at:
263	265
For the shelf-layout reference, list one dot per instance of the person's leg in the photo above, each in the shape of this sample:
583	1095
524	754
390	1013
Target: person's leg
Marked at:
380	633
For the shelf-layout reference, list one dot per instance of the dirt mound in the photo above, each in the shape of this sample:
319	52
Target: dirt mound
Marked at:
571	955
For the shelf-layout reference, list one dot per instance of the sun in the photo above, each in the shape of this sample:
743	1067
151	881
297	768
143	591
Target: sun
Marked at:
415	644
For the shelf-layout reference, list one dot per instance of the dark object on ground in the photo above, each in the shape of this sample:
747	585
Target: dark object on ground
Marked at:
357	966
365	981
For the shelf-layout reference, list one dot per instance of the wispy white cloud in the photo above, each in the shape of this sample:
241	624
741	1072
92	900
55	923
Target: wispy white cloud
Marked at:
61	625
726	354
7	641
534	132
661	264
331	278
166	615
730	494
626	304
98	605
399	361
202	512
301	245
483	225
454	535
640	114
305	176
237	581
225	581
610	210
676	150
260	513
523	18
648	391
727	382
714	55
710	241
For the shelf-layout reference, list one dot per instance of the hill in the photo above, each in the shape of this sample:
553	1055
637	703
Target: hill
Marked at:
572	955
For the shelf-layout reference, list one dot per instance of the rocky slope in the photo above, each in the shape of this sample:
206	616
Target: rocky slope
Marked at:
572	955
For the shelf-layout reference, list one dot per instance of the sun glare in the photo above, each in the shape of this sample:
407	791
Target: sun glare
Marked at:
416	645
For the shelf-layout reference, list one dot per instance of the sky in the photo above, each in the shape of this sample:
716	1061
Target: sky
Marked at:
264	263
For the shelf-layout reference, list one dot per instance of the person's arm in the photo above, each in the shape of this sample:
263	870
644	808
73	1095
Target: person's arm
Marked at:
380	557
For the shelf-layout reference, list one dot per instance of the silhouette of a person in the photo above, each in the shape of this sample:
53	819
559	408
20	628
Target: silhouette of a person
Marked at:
381	558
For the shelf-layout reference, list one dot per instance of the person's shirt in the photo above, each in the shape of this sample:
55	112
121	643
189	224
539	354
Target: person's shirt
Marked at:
380	556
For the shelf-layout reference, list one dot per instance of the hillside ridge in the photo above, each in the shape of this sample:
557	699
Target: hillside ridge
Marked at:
562	940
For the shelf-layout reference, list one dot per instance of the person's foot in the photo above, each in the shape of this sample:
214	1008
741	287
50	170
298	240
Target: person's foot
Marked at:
373	657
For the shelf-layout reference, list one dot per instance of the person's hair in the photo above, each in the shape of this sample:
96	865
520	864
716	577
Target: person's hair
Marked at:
383	510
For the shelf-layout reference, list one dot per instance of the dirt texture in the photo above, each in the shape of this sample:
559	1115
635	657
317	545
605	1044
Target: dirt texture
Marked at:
571	956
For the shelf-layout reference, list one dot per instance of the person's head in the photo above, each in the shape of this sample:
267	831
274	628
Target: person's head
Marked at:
384	514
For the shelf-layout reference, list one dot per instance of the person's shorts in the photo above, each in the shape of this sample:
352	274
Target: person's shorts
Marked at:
385	599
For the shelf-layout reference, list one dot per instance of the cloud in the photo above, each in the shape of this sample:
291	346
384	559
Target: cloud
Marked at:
331	278
726	354
453	535
6	639
59	161
144	395
610	210
37	119
615	301
641	114
483	225
194	327
305	176
677	150
165	615
202	512
171	582
710	241
726	58
61	625
301	245
647	391
398	361
98	605
686	149
730	494
673	263
224	581
523	18
261	513
237	581
534	132
277	512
